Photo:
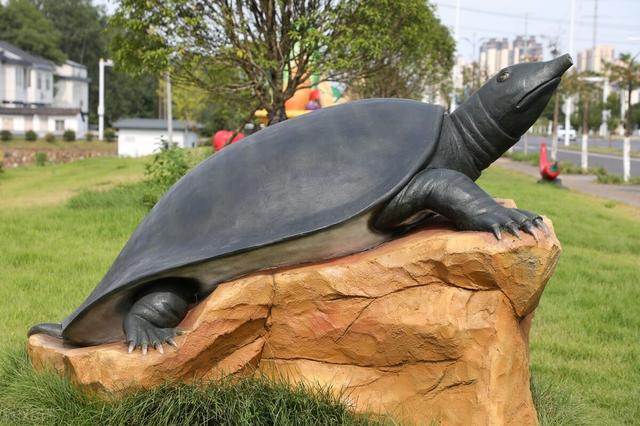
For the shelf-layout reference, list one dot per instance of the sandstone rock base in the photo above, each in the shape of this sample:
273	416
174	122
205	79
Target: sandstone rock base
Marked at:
430	326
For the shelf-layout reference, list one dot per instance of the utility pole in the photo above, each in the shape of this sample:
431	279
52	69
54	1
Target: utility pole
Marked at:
167	77
101	64
526	59
568	105
454	72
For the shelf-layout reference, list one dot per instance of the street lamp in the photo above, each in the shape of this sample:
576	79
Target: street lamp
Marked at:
102	63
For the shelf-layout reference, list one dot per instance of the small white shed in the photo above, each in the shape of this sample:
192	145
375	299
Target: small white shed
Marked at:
144	136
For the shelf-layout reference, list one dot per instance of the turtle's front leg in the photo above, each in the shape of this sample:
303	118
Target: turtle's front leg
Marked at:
153	318
455	196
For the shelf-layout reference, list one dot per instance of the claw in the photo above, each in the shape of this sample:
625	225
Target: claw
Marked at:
132	346
172	342
540	224
145	347
179	332
495	228
159	348
511	227
527	227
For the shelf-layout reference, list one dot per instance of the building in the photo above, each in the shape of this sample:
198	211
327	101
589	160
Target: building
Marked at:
143	136
38	95
594	59
496	54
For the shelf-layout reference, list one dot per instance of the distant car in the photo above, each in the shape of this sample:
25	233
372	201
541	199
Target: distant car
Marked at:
572	134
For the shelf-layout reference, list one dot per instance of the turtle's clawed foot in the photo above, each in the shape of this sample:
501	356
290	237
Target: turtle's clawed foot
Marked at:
499	218
141	333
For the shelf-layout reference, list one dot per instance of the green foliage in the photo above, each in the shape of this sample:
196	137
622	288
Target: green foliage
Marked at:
50	137
41	158
131	195
5	135
89	136
31	136
23	25
69	136
617	179
626	73
166	168
110	135
212	44
414	50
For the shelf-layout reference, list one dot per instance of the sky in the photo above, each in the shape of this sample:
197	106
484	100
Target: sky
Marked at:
618	22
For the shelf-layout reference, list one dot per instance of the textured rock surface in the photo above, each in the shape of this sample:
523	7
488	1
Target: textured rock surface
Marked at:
430	326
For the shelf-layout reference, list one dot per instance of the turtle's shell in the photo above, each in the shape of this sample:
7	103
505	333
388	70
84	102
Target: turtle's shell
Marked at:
291	179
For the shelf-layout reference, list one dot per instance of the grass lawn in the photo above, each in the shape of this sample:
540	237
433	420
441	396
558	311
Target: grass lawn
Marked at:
585	342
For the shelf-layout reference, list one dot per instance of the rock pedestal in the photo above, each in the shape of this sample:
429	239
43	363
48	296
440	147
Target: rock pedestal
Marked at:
431	326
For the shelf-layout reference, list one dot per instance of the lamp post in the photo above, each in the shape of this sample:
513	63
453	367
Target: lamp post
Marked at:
568	103
102	63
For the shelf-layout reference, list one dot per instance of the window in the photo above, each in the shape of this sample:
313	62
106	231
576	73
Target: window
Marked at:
19	76
59	125
27	77
39	83
48	80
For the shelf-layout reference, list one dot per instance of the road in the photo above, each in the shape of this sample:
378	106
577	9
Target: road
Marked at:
612	163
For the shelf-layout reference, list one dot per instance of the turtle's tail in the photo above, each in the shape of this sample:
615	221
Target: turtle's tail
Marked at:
54	330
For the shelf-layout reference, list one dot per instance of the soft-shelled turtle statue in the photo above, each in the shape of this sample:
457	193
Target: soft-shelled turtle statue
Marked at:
334	182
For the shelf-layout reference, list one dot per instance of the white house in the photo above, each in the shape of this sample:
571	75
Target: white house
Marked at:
143	136
37	95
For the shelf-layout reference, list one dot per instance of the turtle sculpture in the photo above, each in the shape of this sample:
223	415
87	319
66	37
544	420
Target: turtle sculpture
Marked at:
334	182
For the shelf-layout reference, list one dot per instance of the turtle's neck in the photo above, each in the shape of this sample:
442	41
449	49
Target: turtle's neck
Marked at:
470	140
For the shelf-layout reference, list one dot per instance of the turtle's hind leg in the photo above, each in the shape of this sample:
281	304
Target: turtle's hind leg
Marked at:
153	318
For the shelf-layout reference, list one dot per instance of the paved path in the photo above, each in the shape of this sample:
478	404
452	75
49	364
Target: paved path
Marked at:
628	194
612	163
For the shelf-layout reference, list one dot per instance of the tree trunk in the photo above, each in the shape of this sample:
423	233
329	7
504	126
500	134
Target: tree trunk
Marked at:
626	143
276	113
554	128
584	158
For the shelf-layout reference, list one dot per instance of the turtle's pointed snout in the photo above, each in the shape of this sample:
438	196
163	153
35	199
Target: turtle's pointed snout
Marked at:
563	62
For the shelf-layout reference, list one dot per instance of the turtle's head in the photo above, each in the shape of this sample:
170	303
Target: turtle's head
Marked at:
492	120
516	96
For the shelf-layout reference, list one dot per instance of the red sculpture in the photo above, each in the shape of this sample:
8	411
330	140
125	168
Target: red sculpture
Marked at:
221	139
548	170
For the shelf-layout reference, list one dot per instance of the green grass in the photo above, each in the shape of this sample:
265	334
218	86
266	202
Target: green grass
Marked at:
585	352
602	150
53	184
27	397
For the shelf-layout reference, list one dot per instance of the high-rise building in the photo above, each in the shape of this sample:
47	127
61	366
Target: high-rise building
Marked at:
593	59
496	54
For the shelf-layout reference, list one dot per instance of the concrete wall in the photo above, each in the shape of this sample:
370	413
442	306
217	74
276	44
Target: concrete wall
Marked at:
137	143
20	124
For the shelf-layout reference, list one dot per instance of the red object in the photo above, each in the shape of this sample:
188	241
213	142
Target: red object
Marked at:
548	170
314	95
221	138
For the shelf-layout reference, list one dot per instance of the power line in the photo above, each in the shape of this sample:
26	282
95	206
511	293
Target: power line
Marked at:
533	18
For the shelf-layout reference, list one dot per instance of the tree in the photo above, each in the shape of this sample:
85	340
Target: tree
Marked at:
261	51
626	73
418	53
23	25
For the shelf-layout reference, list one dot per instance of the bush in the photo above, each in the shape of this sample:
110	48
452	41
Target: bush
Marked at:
41	158
50	137
31	136
110	135
169	165
5	135
88	137
69	135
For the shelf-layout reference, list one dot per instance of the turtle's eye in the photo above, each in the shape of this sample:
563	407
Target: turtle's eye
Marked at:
503	76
